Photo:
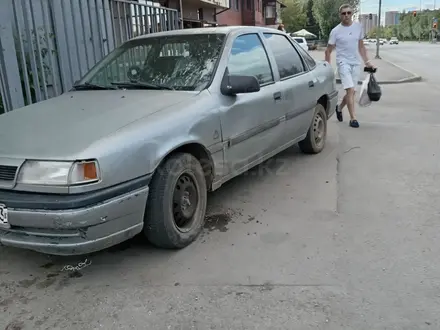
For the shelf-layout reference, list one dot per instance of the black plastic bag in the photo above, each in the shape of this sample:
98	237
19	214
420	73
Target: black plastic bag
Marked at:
374	91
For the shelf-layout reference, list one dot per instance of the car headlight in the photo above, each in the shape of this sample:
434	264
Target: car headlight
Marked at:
58	173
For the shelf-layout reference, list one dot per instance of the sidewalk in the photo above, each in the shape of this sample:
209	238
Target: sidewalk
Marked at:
387	72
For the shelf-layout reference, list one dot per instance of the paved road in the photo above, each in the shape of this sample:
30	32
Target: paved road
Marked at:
348	239
386	71
420	58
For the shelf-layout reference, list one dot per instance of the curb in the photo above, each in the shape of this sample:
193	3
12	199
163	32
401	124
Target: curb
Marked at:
391	82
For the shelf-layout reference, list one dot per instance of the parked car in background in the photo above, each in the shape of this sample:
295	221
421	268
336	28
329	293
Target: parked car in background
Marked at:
142	138
301	42
394	41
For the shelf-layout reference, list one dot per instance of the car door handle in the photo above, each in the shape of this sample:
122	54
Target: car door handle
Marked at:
311	83
277	96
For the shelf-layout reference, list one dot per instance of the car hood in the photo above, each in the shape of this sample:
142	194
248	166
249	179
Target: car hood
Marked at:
63	126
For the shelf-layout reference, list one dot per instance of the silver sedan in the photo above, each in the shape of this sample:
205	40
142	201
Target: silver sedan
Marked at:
138	143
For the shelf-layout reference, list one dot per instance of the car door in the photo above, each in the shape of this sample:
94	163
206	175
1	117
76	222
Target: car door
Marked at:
296	84
252	123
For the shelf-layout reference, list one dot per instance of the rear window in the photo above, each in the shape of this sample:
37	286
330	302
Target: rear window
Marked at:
299	40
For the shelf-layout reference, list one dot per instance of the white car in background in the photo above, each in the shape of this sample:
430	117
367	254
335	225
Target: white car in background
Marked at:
374	41
394	41
302	42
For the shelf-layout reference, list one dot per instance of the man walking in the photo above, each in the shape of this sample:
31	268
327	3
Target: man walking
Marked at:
347	38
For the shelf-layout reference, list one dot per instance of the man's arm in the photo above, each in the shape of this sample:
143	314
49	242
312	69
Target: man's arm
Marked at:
363	50
363	53
330	46
328	52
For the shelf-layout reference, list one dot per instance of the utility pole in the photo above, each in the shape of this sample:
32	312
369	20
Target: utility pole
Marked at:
420	30
378	30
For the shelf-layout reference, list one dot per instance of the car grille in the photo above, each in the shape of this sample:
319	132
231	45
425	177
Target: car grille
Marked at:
7	173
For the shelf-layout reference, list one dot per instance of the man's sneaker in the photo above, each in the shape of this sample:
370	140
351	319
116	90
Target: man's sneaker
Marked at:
339	114
354	123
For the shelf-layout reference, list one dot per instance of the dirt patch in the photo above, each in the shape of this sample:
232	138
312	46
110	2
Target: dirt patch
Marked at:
218	222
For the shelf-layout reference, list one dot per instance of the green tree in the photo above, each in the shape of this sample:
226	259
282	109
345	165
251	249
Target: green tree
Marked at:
327	15
294	15
311	24
411	28
384	32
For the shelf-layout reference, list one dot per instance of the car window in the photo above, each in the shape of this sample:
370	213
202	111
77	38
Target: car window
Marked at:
307	58
180	62
248	57
287	58
298	40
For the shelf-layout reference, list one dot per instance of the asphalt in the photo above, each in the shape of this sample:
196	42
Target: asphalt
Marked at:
421	58
388	72
347	239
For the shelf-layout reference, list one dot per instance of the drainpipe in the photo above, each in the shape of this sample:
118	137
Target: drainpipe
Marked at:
253	13
242	10
181	14
221	11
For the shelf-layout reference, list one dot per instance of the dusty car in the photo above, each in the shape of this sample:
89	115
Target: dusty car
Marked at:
141	139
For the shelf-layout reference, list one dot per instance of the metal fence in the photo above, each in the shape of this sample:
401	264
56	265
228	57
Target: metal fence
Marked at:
46	45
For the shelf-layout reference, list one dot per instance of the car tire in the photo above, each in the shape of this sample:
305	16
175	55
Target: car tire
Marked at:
314	142
176	206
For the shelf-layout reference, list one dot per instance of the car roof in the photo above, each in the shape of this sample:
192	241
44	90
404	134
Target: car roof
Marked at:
208	30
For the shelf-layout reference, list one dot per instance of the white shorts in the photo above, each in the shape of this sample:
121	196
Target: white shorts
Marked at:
349	75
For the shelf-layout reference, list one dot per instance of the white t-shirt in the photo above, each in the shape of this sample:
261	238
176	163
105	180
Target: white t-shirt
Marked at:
346	39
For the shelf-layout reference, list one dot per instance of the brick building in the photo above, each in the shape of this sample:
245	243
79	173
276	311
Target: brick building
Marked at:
251	12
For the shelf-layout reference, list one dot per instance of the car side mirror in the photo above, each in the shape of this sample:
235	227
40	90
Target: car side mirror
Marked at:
236	84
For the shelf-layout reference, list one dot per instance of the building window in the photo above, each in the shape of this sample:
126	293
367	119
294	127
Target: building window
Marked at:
270	12
235	4
249	4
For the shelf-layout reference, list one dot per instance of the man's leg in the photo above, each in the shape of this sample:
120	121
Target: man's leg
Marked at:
350	94
343	103
345	74
349	97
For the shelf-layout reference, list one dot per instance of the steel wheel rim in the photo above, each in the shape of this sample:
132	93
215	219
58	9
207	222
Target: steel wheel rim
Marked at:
185	201
319	129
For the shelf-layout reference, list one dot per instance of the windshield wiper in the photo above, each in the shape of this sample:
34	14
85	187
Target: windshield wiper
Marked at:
140	85
89	86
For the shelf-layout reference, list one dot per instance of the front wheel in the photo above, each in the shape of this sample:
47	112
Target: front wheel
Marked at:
176	203
316	136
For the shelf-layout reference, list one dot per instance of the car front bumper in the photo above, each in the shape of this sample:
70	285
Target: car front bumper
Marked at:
74	224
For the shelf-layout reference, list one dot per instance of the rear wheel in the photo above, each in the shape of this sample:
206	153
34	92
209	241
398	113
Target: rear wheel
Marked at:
176	204
314	142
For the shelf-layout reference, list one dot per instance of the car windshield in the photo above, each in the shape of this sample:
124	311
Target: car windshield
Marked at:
178	62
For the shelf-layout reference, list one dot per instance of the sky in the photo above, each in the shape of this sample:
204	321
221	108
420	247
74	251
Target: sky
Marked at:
372	6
